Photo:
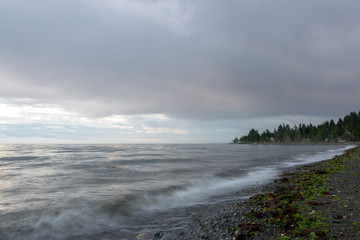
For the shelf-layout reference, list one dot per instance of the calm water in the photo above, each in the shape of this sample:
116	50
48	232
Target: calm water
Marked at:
59	191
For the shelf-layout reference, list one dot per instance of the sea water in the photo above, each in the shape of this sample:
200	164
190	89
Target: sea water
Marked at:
64	191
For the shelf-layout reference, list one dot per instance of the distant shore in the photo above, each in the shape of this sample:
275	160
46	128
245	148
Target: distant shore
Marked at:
299	143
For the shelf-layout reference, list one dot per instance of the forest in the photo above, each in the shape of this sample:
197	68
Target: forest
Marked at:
344	130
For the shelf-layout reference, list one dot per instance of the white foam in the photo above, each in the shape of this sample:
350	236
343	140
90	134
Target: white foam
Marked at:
317	157
201	190
64	223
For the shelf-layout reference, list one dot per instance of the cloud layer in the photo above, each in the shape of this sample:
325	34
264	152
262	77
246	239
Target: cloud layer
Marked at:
189	59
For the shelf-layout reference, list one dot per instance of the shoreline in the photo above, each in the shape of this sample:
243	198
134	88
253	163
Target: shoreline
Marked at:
339	210
234	218
299	143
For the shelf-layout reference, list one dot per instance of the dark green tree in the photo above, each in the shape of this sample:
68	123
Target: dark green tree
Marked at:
347	129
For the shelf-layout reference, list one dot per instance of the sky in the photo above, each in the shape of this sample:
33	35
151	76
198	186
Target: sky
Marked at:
173	71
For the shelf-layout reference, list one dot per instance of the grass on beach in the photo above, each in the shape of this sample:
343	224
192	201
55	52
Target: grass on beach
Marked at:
306	205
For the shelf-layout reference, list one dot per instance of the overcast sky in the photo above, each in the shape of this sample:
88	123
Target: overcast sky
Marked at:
173	71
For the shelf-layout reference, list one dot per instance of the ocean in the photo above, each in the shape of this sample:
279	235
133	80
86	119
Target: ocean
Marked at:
69	191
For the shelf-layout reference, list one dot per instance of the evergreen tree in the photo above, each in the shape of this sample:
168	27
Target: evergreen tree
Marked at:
253	136
345	129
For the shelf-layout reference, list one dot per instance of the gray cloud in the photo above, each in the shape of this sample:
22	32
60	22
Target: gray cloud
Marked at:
193	59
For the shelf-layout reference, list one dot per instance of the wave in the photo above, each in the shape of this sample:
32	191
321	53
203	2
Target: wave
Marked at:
19	158
316	157
199	191
93	218
59	224
87	215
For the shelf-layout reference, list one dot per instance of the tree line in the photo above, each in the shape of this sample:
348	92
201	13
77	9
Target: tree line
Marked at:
346	129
